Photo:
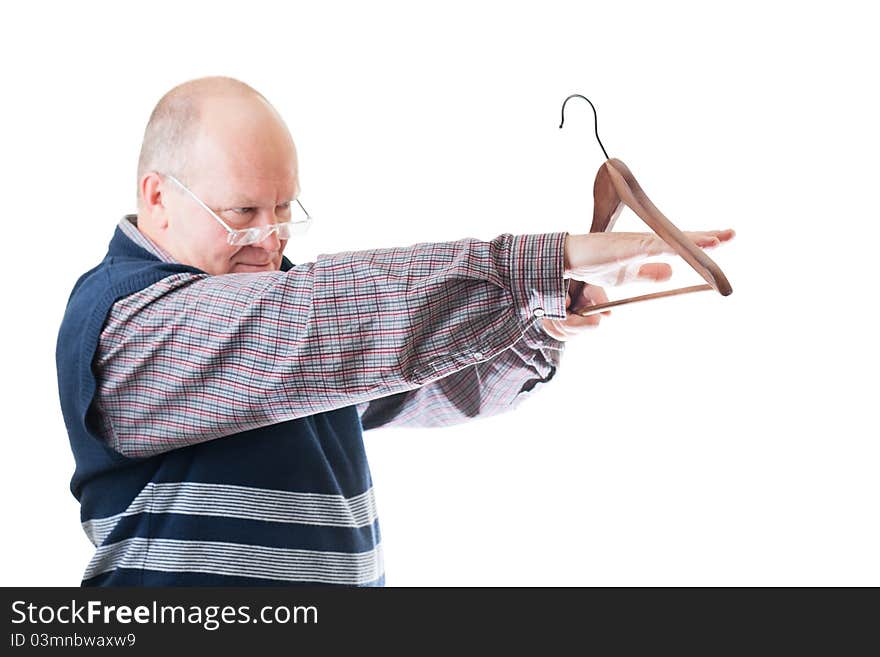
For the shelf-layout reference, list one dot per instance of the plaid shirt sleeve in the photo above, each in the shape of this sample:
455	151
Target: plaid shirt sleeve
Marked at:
426	335
486	388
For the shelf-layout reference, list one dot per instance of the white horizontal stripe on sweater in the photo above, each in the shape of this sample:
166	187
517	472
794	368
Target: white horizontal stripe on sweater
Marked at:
267	504
239	560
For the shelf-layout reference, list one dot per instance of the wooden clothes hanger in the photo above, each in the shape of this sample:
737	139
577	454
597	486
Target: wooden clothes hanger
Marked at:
614	187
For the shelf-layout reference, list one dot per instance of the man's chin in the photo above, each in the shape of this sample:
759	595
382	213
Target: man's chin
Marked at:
245	266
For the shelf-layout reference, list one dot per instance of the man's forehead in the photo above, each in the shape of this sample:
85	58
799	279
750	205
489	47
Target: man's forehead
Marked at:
247	164
252	191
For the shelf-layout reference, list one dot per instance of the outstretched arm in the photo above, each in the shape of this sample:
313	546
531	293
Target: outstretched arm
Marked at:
195	357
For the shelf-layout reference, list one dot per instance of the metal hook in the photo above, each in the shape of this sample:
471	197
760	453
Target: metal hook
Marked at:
595	118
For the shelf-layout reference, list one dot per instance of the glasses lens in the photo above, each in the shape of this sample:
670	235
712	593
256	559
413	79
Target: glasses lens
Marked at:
287	229
255	235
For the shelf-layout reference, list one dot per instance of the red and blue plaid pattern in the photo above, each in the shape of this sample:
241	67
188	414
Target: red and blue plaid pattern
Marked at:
427	335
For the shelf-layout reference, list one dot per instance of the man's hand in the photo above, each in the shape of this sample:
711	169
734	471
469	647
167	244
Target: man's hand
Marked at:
614	259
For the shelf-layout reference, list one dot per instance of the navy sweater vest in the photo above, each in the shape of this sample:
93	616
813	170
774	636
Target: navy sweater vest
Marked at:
285	504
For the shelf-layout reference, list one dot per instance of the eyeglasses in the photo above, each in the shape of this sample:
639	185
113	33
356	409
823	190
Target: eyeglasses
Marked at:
256	234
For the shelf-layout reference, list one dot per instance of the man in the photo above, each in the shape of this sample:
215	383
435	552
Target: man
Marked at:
215	394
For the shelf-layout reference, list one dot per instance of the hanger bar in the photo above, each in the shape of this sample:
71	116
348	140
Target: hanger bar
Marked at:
592	310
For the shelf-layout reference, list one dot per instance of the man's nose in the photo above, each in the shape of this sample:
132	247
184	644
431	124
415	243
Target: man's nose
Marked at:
271	242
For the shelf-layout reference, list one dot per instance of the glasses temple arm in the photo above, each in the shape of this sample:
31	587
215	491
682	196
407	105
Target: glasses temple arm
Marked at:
200	202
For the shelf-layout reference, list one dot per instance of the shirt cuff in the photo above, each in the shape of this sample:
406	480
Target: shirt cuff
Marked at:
537	268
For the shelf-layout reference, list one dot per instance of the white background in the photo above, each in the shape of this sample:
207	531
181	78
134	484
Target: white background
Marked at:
698	440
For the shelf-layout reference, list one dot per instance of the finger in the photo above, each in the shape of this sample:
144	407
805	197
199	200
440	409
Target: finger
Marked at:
706	239
566	329
656	245
573	294
550	329
597	293
710	238
573	323
556	328
634	272
654	271
625	247
725	235
590	295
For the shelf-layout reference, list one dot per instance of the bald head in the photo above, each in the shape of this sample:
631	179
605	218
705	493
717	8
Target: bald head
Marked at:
234	155
178	117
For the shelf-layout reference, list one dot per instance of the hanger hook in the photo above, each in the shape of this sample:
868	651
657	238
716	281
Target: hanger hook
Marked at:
595	118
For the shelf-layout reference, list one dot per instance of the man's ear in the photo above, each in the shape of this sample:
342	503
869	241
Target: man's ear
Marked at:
152	192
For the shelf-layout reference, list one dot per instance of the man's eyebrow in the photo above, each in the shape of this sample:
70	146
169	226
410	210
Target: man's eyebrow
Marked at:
247	202
244	202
